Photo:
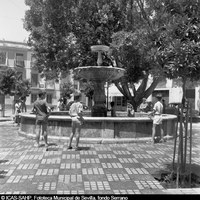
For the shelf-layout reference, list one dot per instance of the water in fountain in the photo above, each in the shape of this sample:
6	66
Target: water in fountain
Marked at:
99	75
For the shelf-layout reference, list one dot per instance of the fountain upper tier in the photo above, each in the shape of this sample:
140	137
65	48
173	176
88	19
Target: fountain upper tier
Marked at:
99	73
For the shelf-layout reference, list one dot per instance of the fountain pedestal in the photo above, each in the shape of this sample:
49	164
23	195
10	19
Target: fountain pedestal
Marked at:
99	108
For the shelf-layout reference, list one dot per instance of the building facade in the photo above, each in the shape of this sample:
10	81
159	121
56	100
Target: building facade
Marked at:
18	56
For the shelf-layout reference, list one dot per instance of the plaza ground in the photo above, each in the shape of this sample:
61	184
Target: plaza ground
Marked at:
95	169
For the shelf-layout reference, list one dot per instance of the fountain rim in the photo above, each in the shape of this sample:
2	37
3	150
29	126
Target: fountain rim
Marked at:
87	118
99	67
100	48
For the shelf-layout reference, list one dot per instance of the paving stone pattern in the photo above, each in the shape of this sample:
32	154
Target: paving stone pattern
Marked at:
95	169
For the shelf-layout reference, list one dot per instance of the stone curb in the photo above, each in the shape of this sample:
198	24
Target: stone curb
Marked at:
3	119
95	140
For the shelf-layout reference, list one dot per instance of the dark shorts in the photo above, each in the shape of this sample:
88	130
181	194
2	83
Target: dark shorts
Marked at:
41	121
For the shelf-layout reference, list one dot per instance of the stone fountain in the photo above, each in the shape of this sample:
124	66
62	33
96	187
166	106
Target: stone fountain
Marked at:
98	128
99	75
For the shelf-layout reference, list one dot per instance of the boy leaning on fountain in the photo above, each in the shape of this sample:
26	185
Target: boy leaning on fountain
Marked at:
76	113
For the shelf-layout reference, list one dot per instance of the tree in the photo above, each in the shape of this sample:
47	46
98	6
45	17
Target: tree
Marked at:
62	33
12	84
67	89
181	57
54	45
8	81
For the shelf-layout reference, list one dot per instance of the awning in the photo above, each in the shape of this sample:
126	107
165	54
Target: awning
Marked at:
114	92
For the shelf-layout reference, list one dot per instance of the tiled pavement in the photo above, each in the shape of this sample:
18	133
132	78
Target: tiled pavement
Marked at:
95	169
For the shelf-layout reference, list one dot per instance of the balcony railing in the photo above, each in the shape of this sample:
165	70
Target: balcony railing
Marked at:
19	63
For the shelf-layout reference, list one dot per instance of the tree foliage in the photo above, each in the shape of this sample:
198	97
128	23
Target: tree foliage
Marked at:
54	45
66	89
12	84
147	38
7	82
181	56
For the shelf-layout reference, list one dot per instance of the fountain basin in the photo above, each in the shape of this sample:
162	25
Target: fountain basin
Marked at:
99	73
100	128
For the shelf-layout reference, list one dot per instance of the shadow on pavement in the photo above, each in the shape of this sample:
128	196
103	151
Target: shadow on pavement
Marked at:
3	174
3	161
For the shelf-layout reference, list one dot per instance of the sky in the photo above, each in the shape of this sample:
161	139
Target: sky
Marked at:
11	25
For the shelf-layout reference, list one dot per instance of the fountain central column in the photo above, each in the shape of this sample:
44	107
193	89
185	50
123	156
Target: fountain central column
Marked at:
99	109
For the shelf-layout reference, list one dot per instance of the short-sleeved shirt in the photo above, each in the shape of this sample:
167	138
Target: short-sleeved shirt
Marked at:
158	107
75	109
41	108
17	108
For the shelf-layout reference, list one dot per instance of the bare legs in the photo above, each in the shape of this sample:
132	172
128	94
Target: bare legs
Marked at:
45	134
38	130
154	132
74	127
43	128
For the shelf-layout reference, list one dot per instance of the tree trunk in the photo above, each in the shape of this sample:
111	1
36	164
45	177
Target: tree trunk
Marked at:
141	92
2	105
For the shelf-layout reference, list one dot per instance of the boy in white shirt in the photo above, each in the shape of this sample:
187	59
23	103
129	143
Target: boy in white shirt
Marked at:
76	113
157	119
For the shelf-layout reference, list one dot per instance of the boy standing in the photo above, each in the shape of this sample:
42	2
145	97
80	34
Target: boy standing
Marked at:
76	113
42	111
17	111
157	119
130	110
113	111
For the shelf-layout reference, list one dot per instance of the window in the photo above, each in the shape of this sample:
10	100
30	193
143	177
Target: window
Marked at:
3	58
118	101
34	80
19	60
33	98
50	84
190	93
49	98
123	101
32	61
20	75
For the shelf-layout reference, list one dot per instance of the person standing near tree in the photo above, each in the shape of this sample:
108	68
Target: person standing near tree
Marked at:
60	105
42	111
76	113
144	105
112	109
130	110
23	102
17	111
